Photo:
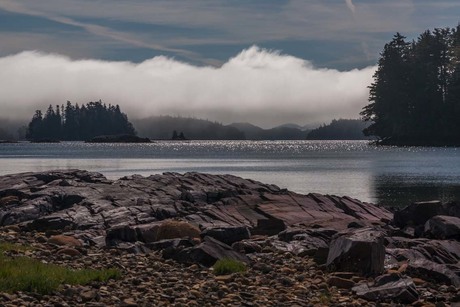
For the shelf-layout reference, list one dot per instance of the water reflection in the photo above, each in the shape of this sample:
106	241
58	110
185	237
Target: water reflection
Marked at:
392	176
399	191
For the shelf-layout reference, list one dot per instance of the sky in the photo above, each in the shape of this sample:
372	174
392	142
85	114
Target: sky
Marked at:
260	61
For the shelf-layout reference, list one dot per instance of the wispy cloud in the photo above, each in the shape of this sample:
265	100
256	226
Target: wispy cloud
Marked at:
267	88
198	30
101	31
351	6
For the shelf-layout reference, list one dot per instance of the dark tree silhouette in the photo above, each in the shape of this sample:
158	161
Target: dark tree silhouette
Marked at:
341	129
415	96
74	123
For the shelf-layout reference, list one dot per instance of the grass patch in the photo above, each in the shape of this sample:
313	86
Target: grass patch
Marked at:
31	275
6	246
325	298
228	266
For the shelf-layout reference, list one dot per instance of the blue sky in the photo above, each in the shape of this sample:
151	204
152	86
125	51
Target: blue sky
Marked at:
339	35
330	33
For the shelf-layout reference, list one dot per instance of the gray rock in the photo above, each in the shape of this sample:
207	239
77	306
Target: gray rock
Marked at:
208	252
438	251
147	232
124	233
361	251
247	247
227	235
429	270
443	227
269	227
389	286
417	213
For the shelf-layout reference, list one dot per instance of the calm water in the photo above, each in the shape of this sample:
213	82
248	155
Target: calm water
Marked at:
390	176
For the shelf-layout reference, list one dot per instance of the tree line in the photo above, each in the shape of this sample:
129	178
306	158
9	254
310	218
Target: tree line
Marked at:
340	129
78	123
415	96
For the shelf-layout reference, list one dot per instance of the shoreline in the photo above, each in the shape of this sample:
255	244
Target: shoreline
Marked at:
298	249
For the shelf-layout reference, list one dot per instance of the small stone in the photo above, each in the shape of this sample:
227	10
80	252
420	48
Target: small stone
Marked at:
340	283
224	278
286	281
418	281
88	295
196	293
41	239
8	297
69	252
128	302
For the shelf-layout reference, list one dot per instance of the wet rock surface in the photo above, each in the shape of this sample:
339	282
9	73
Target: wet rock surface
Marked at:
164	232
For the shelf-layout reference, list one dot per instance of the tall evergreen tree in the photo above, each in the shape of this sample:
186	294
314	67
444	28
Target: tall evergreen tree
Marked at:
389	94
415	96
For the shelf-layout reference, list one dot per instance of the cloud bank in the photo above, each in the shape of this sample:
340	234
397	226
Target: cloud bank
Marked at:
260	86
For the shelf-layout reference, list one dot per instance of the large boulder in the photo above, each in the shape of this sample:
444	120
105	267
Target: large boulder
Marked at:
443	227
123	233
438	251
417	213
269	227
172	229
207	253
148	232
429	270
360	251
227	235
389	286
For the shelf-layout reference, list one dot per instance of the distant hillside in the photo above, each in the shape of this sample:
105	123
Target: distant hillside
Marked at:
12	129
284	132
341	129
162	128
294	126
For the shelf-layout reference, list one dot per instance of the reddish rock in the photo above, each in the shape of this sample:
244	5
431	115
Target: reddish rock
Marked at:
69	252
129	210
64	240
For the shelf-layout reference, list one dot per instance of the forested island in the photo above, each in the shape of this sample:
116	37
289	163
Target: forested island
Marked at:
75	123
97	122
415	96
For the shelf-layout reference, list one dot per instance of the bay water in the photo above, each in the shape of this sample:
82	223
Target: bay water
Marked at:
391	176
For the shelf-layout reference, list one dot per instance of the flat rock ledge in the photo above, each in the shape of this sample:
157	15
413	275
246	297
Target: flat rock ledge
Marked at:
164	232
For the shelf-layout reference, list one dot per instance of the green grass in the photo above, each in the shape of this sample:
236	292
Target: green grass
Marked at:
5	246
228	266
31	275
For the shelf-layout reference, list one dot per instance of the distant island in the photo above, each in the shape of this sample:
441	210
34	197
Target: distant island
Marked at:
415	96
75	123
96	122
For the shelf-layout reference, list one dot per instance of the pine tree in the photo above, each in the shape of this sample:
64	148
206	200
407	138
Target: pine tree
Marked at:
389	94
415	96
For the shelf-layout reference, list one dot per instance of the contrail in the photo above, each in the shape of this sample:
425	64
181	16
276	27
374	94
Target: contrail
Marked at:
104	31
351	6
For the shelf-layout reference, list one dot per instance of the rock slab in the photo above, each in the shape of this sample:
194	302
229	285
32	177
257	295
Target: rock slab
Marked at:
361	251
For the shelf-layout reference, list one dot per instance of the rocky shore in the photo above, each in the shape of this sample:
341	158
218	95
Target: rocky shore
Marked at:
164	233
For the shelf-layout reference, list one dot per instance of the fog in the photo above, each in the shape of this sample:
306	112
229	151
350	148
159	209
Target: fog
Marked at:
260	86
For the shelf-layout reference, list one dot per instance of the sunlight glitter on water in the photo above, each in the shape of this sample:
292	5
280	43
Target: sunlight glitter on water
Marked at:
387	175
